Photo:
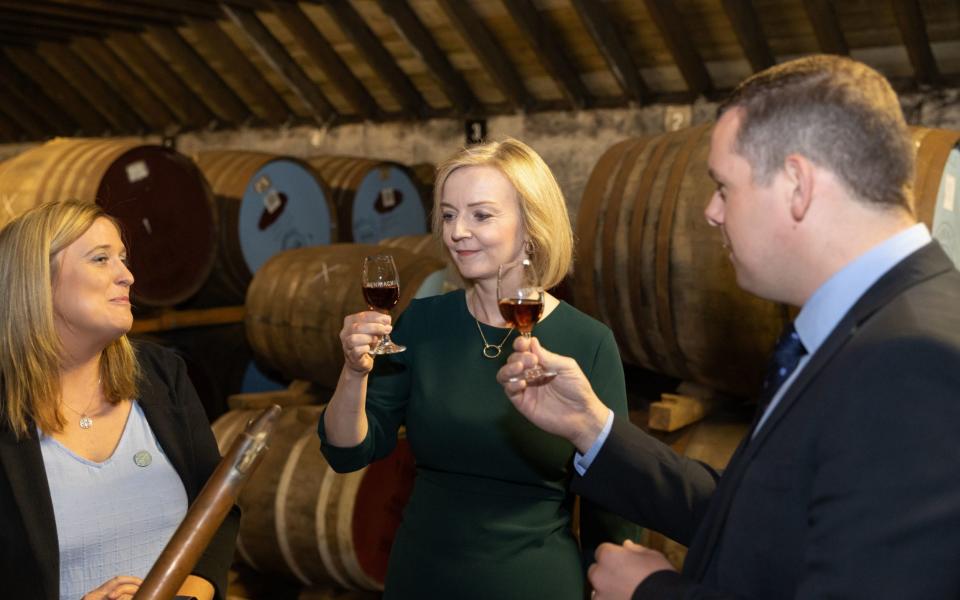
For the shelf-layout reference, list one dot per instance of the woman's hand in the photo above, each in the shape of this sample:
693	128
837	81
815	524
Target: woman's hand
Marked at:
121	587
360	334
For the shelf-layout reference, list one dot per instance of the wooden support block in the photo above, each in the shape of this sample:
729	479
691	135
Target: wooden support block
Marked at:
300	393
674	411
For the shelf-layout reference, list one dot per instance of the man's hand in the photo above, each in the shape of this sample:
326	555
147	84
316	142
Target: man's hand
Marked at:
564	405
620	569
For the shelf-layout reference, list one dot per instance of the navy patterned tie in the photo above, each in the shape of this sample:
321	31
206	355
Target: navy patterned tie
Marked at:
786	356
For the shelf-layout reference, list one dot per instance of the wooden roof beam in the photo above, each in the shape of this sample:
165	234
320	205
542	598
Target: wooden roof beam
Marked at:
488	51
549	48
323	54
218	95
826	27
159	13
382	62
33	33
611	45
746	24
670	24
125	83
451	81
104	13
256	91
60	91
9	130
281	62
99	94
155	73
25	118
17	85
62	25
909	17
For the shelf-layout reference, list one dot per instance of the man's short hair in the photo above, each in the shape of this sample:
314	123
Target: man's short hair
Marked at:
839	113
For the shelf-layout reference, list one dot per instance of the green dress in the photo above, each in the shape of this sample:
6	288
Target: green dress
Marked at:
489	516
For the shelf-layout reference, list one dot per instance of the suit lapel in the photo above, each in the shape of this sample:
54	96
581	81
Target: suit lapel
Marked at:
23	464
925	263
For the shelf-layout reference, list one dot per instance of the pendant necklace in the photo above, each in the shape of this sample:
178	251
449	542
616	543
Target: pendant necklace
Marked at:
492	350
86	422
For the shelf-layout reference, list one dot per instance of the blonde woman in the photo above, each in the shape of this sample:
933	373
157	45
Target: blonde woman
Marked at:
490	514
102	444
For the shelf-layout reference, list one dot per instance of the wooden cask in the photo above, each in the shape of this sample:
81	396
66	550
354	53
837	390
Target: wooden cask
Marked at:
303	521
297	302
159	196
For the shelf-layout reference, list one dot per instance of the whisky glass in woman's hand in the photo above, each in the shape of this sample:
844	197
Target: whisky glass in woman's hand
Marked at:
520	298
381	290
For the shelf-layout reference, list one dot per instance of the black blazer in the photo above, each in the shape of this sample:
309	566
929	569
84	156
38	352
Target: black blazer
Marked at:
29	551
852	487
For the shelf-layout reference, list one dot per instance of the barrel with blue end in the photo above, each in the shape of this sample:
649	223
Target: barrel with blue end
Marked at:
374	199
937	186
268	204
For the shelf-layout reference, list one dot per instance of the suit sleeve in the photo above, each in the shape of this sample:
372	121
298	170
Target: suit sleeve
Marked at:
216	559
640	478
596	524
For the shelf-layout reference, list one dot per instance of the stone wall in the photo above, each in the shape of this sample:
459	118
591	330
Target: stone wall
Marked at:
570	142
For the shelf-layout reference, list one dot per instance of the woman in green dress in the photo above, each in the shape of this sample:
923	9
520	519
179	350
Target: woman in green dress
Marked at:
490	513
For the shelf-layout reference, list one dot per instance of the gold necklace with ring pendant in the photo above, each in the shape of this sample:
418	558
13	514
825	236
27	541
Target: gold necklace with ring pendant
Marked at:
491	351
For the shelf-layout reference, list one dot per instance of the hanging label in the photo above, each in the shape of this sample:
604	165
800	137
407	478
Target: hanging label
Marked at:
137	170
272	201
262	184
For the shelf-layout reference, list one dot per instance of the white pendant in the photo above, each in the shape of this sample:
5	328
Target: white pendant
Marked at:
86	422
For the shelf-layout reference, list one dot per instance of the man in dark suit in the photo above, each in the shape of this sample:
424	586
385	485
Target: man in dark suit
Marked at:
848	485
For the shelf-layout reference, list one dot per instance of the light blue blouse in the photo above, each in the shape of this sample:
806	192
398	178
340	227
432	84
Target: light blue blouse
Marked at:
114	517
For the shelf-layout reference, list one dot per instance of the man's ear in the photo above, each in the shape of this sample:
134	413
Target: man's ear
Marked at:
800	176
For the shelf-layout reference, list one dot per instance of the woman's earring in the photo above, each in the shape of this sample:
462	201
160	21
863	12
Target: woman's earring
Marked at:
528	247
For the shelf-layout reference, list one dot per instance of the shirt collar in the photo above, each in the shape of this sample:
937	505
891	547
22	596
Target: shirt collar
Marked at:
832	300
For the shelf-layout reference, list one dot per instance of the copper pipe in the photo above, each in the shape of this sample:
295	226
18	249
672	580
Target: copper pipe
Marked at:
209	509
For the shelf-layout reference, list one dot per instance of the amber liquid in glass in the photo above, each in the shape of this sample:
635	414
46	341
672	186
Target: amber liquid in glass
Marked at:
521	313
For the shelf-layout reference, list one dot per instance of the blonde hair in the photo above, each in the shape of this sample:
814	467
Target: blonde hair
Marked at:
30	349
543	211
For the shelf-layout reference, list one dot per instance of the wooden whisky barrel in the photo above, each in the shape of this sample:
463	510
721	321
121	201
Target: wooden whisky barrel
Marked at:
375	199
302	520
159	196
268	203
649	265
297	302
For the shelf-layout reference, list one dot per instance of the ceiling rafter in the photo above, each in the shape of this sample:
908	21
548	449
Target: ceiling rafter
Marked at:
162	80
258	92
487	50
26	119
598	24
408	26
669	22
280	61
9	130
379	59
60	91
54	24
546	41
98	93
105	15
826	27
15	83
746	24
219	96
166	14
323	54
123	81
913	29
